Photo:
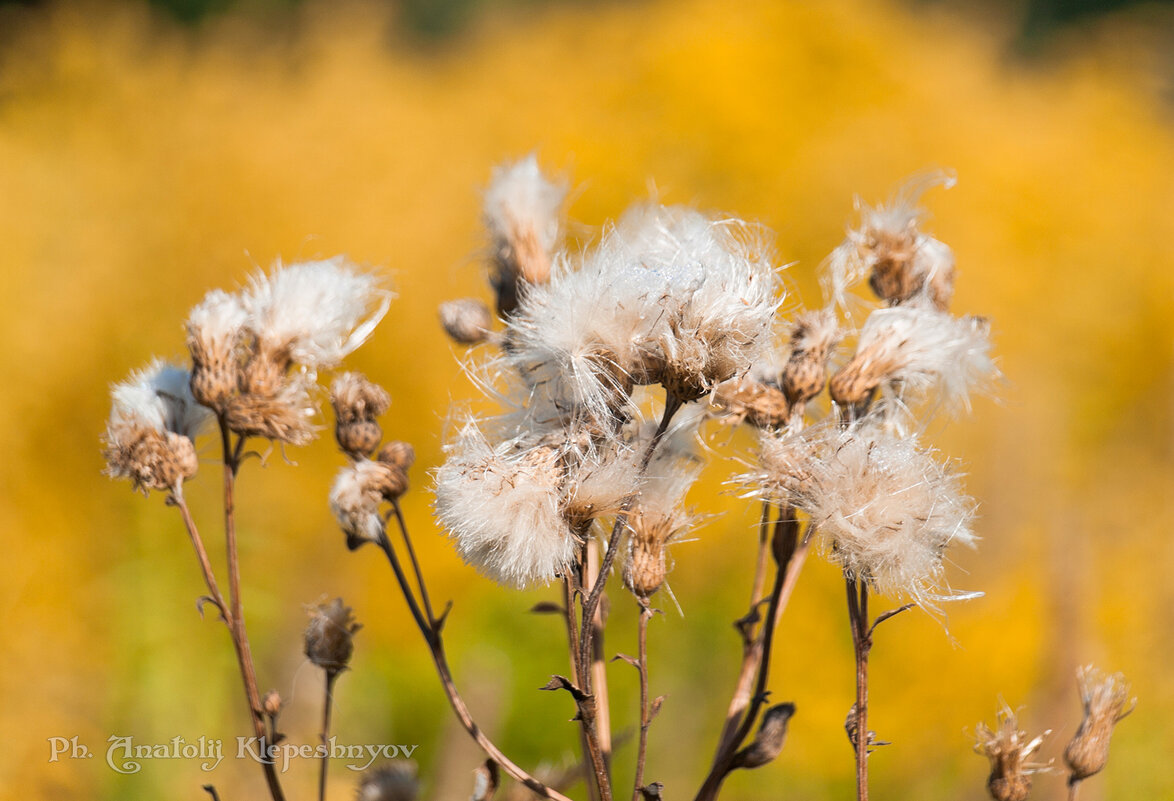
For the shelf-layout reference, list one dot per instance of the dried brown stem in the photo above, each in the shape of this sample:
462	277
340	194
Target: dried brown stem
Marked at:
570	586
598	681
857	591
240	638
645	718
399	516
430	629
327	705
177	500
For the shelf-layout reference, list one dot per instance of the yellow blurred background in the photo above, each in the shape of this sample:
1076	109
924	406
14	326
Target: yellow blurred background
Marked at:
143	162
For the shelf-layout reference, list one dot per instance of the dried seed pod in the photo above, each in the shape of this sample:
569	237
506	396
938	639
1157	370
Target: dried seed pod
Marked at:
329	640
400	454
645	568
1106	703
756	403
215	329
814	335
466	321
357	403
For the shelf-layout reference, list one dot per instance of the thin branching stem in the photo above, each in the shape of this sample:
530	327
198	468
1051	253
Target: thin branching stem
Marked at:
645	716
240	638
671	406
745	706
431	631
399	516
177	499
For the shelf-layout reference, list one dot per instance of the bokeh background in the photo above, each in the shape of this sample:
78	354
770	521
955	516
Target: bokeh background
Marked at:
151	152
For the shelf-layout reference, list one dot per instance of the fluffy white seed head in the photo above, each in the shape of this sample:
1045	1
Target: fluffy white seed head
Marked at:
153	421
502	507
917	351
903	264
886	511
316	312
669	296
355	498
215	328
522	202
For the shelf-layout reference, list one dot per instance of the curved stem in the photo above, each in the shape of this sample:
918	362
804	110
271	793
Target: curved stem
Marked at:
180	503
432	637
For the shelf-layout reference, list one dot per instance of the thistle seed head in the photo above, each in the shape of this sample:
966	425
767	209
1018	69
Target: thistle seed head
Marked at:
1009	751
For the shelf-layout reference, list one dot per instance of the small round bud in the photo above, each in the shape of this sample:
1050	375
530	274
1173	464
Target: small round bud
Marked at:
400	454
330	636
645	568
357	403
466	321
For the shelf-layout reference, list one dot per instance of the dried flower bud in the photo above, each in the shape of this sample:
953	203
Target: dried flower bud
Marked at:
1106	703
814	335
214	331
645	570
758	404
1008	750
283	417
391	781
357	403
271	703
466	321
768	743
330	636
152	422
400	454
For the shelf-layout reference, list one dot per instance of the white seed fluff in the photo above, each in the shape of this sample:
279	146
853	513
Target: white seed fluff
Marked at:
669	296
318	311
885	510
501	505
158	397
521	201
355	497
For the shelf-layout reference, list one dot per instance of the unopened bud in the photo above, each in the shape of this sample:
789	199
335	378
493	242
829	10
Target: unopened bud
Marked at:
466	320
645	569
814	335
400	454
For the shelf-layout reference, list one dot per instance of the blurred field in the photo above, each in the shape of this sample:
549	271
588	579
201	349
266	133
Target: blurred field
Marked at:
142	163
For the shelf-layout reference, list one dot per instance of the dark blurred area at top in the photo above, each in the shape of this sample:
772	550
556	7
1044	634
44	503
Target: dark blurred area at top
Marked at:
436	20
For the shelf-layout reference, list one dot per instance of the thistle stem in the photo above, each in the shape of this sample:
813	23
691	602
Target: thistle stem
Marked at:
430	628
240	638
857	592
745	706
327	705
